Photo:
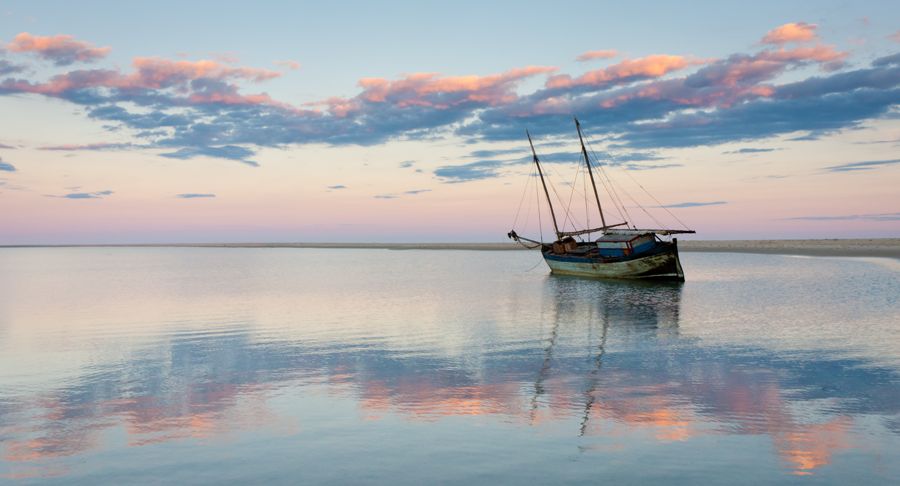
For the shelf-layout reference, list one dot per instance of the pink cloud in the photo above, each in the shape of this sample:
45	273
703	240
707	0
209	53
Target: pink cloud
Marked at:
233	98
722	83
743	70
288	64
61	49
154	72
591	55
819	53
226	57
435	91
63	83
895	36
193	99
630	69
792	32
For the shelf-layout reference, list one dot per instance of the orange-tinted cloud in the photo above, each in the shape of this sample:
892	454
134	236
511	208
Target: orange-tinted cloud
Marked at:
630	69
61	49
602	54
492	106
723	83
792	32
161	74
432	90
819	53
155	72
233	98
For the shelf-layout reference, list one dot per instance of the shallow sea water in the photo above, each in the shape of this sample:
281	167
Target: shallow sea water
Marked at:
212	365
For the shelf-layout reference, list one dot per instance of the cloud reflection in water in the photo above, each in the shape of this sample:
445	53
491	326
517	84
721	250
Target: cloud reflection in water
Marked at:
604	362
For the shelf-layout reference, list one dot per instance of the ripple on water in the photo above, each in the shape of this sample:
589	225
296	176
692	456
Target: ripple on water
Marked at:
367	365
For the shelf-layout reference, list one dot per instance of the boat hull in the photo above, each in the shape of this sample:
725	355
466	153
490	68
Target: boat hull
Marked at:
661	264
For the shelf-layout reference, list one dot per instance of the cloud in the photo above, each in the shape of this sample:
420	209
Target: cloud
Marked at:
407	164
783	113
7	67
230	152
154	72
413	192
792	32
632	157
194	195
891	60
337	186
197	82
591	55
89	146
636	109
650	167
694	204
852	217
85	195
895	36
866	165
4	146
628	70
740	70
194	108
6	166
750	150
484	154
288	64
482	169
415	104
489	168
62	50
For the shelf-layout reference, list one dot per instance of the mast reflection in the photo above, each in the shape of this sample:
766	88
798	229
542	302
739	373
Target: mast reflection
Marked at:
606	360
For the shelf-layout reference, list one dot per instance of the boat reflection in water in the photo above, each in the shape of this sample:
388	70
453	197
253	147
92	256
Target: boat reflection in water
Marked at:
593	369
677	396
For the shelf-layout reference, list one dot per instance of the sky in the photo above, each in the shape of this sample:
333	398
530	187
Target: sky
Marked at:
180	122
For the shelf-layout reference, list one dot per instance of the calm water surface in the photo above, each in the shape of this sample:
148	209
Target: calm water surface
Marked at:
193	365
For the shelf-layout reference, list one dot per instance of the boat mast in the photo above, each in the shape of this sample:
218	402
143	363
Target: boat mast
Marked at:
590	173
543	183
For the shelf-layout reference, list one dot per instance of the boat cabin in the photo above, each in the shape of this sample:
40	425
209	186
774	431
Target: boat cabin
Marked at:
625	244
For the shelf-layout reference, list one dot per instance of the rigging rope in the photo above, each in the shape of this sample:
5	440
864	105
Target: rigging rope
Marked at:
537	193
618	198
642	208
611	190
559	199
536	264
609	186
587	213
638	204
522	200
657	202
571	194
528	213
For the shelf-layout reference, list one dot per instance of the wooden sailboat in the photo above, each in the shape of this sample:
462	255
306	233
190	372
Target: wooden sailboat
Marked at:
621	251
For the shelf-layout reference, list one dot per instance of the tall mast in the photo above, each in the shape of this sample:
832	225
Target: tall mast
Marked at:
590	171
543	183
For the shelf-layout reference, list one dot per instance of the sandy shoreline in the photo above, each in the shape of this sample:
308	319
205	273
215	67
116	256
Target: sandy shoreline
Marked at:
870	247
